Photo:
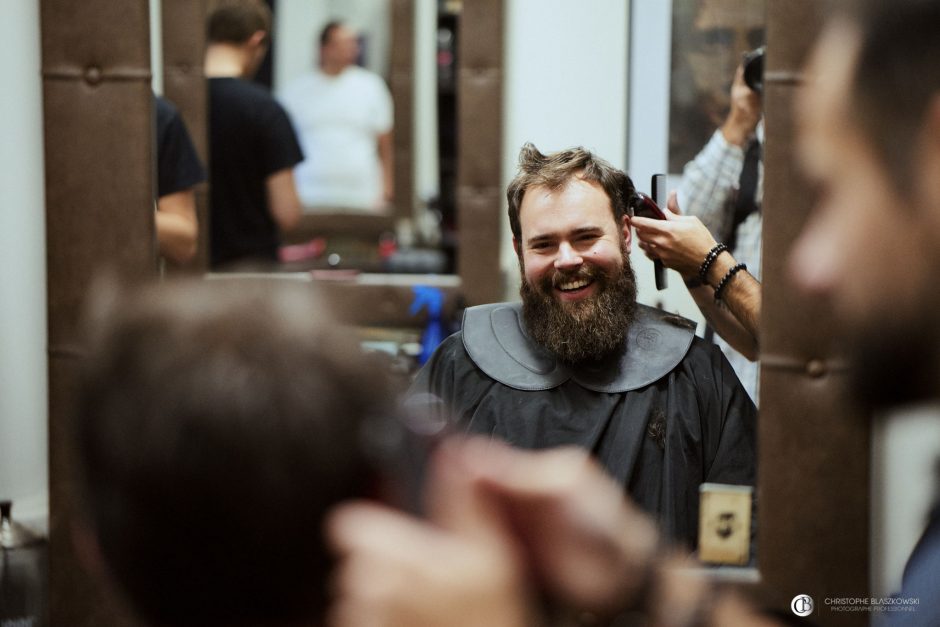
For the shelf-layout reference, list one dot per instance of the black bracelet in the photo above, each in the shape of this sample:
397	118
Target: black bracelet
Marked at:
709	260
727	278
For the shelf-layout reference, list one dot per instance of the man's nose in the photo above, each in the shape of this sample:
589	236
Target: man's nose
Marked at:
567	257
813	265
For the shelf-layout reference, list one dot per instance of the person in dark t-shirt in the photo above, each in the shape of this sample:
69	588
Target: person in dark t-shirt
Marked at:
252	144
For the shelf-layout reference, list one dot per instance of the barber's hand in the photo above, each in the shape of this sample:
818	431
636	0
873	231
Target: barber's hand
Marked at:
680	242
501	521
745	111
461	568
584	542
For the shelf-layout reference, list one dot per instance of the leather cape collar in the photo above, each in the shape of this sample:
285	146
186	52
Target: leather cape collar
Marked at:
496	340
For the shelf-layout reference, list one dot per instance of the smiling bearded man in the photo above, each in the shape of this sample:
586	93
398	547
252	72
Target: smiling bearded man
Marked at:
581	330
580	362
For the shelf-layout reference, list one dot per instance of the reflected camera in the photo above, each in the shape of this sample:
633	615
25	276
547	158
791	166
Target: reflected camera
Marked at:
754	69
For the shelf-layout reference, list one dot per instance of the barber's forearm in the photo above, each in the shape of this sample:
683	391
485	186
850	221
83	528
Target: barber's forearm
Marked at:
743	298
741	294
724	322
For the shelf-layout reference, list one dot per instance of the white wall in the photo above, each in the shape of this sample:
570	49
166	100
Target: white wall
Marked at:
426	150
156	46
297	29
23	374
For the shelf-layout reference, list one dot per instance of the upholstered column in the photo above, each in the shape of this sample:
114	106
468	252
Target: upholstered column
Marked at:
97	108
814	446
479	149
402	81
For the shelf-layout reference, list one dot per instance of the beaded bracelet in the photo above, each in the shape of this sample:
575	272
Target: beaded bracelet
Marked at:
709	260
725	279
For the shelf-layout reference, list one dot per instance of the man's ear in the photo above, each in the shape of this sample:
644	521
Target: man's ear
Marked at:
627	232
257	38
516	247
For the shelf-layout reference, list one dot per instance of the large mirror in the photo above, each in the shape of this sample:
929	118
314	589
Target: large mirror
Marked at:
620	93
378	184
647	19
364	95
351	101
644	83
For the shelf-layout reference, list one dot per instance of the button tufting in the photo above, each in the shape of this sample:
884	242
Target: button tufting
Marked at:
816	368
92	75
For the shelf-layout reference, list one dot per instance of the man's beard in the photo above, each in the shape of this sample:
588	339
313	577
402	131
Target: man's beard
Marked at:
587	329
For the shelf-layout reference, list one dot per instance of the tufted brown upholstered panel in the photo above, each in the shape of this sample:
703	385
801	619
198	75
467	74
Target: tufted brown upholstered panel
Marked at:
479	163
97	108
184	42
814	446
401	67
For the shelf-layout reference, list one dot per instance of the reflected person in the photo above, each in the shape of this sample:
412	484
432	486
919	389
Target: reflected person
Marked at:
251	141
580	362
723	186
870	141
343	115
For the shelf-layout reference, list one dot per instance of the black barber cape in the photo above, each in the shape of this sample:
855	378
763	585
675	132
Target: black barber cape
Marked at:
693	424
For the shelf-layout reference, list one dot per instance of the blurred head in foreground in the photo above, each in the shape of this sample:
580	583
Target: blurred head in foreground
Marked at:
869	138
217	422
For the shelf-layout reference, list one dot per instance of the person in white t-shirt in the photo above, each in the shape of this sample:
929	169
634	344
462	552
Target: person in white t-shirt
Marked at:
343	115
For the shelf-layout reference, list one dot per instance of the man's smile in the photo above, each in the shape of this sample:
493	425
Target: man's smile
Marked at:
574	284
574	288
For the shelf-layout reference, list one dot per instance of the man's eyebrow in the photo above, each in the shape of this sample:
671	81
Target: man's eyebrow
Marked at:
587	230
542	237
548	237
